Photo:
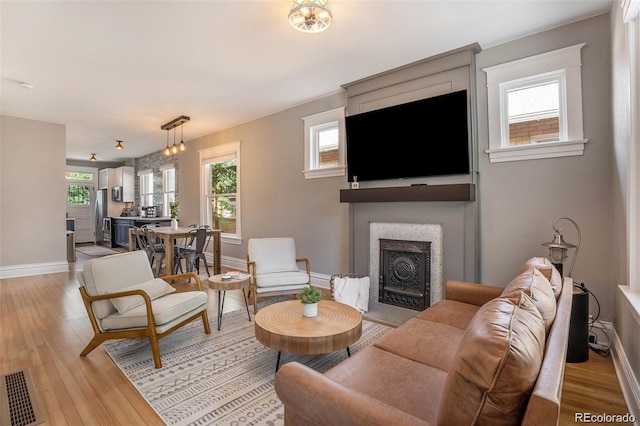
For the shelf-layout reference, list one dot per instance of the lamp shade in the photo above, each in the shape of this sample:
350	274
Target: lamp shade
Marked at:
310	16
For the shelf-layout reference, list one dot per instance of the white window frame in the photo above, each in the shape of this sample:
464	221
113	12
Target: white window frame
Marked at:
217	154
319	122
165	192
562	65
141	175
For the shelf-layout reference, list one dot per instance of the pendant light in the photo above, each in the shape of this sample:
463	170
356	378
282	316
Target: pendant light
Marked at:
167	150
183	147
310	16
119	145
174	148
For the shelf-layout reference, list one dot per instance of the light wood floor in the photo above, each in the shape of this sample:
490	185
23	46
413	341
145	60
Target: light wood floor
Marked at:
44	327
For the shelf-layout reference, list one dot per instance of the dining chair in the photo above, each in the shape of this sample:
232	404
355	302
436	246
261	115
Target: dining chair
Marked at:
156	248
193	253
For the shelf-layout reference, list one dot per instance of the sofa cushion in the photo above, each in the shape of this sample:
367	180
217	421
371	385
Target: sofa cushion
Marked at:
496	365
154	288
407	385
165	310
277	279
423	341
450	312
536	286
549	271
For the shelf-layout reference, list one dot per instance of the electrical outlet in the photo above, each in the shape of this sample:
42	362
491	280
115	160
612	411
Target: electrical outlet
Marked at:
593	339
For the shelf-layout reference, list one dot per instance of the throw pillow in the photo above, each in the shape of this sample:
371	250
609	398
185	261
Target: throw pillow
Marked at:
155	288
536	286
545	266
496	366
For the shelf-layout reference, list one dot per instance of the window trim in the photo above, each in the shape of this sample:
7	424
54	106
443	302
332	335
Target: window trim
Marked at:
165	203
141	186
311	146
218	152
565	61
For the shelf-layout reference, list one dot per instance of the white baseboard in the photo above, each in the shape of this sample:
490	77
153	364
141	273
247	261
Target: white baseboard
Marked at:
318	280
26	270
628	381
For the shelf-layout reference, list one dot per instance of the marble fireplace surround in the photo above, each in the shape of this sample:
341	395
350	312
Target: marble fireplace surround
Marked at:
406	232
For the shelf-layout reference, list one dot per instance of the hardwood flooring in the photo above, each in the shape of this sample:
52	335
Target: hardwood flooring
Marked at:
44	327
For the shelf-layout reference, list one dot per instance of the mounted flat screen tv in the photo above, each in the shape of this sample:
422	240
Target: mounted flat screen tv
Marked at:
429	137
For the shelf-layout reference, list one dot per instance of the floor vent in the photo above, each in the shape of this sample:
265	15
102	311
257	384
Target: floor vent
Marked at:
19	401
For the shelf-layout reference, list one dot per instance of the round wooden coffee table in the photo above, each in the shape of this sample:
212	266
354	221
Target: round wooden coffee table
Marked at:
282	327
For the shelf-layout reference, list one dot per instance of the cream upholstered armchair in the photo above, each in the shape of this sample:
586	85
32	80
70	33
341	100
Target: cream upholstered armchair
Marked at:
274	269
124	300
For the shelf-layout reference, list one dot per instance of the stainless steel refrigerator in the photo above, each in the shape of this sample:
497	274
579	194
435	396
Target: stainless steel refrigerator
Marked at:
103	222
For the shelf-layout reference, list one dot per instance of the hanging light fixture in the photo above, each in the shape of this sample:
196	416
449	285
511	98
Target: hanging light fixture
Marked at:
119	145
93	158
174	149
183	147
310	16
167	150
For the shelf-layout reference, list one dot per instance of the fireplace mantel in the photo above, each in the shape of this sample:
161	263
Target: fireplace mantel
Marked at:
451	192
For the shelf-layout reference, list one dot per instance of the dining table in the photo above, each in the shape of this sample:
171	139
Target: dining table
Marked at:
169	237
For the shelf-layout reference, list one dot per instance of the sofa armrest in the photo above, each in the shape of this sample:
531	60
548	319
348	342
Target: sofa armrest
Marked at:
471	293
310	398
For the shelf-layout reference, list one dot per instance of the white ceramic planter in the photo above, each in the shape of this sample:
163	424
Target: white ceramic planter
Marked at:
309	310
174	223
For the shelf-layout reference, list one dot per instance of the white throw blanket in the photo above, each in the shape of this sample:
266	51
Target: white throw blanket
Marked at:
353	292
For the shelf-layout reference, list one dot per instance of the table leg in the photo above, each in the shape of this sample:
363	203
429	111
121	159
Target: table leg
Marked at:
348	352
221	295
217	255
278	361
169	249
246	304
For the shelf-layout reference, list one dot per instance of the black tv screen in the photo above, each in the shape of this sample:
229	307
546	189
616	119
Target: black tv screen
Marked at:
423	138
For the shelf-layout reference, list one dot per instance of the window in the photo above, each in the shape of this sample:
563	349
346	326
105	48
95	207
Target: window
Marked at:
535	107
168	188
79	187
324	144
221	190
146	188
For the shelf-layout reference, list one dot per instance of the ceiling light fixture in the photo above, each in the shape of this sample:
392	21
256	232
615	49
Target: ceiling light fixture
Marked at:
183	147
93	158
310	16
119	145
172	125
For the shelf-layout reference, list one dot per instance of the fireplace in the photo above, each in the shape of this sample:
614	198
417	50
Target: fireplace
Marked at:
412	256
405	273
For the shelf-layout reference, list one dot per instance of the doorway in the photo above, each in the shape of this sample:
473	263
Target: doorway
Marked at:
80	193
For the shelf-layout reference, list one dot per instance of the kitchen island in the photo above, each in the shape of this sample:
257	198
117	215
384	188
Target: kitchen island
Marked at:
122	224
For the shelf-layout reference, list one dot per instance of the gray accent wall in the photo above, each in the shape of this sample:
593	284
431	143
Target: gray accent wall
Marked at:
521	199
34	197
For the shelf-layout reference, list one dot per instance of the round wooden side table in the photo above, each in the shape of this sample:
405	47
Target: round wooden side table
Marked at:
216	282
282	327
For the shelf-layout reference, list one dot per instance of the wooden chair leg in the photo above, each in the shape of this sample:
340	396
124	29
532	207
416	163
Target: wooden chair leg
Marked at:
94	343
205	322
155	349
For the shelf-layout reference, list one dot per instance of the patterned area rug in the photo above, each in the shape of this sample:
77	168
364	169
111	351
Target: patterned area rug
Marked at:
96	251
223	378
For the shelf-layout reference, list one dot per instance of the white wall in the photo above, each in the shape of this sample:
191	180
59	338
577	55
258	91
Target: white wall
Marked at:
32	197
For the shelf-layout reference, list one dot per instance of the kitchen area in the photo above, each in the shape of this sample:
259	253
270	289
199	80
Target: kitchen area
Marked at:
116	211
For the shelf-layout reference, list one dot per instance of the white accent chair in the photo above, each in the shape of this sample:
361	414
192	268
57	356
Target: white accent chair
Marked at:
124	300
274	269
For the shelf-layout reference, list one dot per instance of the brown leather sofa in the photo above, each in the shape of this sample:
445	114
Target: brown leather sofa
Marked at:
484	355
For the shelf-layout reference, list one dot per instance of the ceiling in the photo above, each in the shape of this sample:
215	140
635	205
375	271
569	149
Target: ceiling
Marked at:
119	70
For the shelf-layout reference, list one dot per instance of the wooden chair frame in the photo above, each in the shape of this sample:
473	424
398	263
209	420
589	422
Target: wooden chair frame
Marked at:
253	294
150	331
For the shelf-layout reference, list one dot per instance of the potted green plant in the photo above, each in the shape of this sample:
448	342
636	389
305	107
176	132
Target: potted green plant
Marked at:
174	210
310	296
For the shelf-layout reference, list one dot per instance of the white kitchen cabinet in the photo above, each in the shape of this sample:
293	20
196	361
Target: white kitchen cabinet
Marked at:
107	178
125	179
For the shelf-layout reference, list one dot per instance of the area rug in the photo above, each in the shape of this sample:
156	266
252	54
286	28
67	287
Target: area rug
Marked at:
96	251
223	378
